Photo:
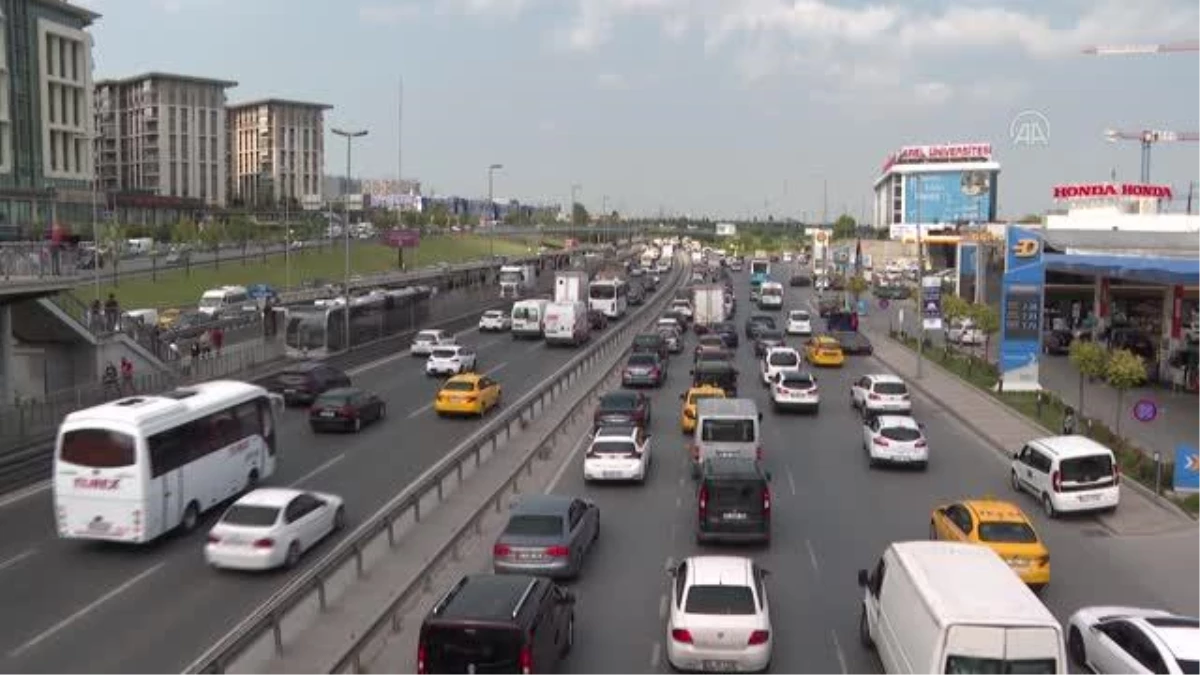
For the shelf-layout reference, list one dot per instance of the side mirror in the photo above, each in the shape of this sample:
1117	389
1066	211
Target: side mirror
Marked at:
760	417
864	579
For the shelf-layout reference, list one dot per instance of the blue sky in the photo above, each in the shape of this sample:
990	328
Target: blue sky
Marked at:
718	107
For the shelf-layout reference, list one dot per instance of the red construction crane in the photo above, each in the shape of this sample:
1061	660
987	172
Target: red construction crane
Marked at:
1148	137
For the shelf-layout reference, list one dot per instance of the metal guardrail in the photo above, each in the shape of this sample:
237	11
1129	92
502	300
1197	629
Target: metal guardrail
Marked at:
44	260
350	551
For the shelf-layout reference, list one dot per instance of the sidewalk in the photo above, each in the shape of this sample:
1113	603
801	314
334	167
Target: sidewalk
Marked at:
1006	430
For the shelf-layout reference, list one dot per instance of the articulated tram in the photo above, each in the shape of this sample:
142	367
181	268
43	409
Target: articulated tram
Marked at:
317	329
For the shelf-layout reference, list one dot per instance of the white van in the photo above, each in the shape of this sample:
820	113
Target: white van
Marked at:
946	607
1067	474
216	301
528	317
726	427
567	323
770	295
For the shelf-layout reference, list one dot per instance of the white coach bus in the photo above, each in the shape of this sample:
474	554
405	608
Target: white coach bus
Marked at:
135	468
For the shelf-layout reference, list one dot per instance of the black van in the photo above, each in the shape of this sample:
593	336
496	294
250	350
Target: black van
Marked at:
718	374
733	502
498	623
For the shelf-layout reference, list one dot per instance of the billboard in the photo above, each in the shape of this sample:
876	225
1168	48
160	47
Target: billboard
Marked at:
948	197
1021	302
402	238
726	230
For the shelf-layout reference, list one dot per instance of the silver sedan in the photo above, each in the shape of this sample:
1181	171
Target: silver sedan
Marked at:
547	535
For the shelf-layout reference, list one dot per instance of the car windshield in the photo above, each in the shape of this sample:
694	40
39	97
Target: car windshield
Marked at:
459	385
763	321
334	398
618	402
612	447
956	665
787	358
722	600
493	314
444	353
900	434
727	431
798	316
769	335
251	515
534	526
427	336
891	388
642	359
792	381
1086	469
1007	533
647	340
602	292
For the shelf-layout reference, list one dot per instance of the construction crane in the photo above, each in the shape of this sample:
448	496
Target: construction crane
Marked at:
1141	50
1148	138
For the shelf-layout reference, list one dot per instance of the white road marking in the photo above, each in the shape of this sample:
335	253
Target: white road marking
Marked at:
656	655
84	611
25	493
678	502
5	564
662	606
791	481
403	354
841	657
420	411
319	469
562	470
496	369
812	556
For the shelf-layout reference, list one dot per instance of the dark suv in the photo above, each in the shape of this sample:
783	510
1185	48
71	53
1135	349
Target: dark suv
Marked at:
734	502
652	342
302	383
498	623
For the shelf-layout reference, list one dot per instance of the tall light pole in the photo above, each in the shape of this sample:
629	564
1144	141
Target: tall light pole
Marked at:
349	136
491	205
920	284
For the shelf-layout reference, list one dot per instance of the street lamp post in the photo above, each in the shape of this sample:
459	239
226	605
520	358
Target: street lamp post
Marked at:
920	284
349	136
491	205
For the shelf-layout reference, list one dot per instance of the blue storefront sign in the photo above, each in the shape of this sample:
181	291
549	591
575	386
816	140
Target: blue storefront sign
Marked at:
948	197
1187	469
1021	302
968	256
931	303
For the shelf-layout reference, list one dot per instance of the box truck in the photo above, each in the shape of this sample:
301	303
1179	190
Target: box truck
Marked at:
570	286
517	280
708	305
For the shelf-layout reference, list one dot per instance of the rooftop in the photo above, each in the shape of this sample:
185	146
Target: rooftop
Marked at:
158	75
86	15
279	102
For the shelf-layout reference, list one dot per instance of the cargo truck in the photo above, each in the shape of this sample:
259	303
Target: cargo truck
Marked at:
708	306
567	323
570	286
517	280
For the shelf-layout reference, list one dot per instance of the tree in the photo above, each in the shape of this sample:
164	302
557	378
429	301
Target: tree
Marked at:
1030	219
844	227
579	214
987	320
1125	370
857	285
954	308
1091	360
113	238
184	233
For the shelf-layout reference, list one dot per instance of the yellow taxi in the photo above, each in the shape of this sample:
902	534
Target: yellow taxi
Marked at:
168	317
824	351
687	416
467	394
1001	526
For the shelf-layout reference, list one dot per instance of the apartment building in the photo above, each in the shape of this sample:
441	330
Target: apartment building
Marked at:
46	164
276	151
162	134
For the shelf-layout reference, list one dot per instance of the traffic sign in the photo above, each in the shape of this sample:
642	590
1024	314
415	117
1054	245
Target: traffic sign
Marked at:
883	303
1145	410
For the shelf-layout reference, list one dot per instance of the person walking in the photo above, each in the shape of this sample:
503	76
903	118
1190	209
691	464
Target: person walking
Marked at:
1069	422
127	376
218	339
112	310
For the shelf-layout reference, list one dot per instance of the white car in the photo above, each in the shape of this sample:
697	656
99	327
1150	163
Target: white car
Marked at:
426	340
895	439
272	527
720	619
495	320
451	360
880	394
620	452
683	307
795	389
1133	640
799	322
777	360
964	333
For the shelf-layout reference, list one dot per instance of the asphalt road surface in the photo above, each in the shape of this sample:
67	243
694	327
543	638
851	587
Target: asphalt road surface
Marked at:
71	606
832	516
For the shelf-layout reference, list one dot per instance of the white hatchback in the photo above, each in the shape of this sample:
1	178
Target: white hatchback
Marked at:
795	390
964	333
880	394
451	360
620	452
799	323
426	340
495	320
778	360
272	527
895	439
720	619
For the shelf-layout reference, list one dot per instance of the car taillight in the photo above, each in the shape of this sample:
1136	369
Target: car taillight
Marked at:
766	502
471	399
758	637
525	660
874	397
878	440
214	539
689	413
703	504
655	371
501	550
1043	559
758	453
421	658
920	444
781	390
264	543
558	551
1116	474
681	635
1056	481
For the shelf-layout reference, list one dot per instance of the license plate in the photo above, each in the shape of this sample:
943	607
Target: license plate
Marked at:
611	474
328	413
289	391
528	555
726	454
735	515
719	666
1089	498
99	526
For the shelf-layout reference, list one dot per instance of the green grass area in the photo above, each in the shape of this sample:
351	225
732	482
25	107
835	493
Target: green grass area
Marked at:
179	287
1048	409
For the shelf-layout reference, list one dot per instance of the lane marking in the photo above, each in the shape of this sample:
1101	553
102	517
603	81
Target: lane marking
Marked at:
403	354
841	657
662	606
319	469
25	493
16	558
812	556
791	481
84	611
655	655
537	344
496	369
562	470
420	411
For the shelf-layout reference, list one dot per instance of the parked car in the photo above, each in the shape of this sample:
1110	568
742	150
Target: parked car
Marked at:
345	409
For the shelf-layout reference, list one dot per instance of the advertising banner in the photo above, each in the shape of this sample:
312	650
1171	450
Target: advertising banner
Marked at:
402	238
948	197
968	256
931	303
1021	302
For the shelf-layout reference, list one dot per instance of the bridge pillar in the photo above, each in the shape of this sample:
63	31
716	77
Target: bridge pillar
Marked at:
6	354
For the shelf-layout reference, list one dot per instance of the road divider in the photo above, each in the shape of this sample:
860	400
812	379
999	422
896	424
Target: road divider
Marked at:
266	633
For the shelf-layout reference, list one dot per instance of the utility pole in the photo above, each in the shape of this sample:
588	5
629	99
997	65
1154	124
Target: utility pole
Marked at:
349	136
920	283
491	205
400	134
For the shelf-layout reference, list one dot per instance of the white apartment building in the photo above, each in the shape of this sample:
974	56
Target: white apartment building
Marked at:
276	151
163	134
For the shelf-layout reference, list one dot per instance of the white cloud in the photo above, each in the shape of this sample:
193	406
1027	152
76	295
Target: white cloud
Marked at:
932	93
388	14
611	81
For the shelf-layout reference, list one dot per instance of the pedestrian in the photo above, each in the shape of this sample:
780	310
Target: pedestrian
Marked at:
218	339
97	316
1069	422
127	375
195	350
205	342
112	310
110	381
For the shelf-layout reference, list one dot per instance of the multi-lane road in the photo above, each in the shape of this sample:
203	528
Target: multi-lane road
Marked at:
69	606
832	515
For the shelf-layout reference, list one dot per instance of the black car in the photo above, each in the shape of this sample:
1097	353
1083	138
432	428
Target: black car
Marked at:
721	374
799	280
853	343
498	623
636	295
728	332
767	339
758	322
345	409
654	343
733	502
302	383
597	320
623	407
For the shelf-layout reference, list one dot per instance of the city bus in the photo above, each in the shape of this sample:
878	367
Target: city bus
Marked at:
609	297
318	329
138	467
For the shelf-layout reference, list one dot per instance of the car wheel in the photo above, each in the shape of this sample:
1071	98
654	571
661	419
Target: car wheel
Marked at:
932	531
293	555
1014	481
1048	506
864	630
191	517
1075	649
339	519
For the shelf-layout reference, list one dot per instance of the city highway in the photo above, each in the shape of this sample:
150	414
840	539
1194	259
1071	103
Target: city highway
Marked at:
832	515
71	606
